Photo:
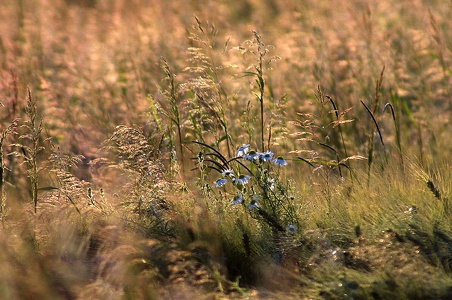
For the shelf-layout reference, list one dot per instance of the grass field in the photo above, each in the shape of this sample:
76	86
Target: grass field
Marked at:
225	149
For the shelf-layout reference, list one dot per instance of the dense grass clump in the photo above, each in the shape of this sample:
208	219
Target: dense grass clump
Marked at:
225	150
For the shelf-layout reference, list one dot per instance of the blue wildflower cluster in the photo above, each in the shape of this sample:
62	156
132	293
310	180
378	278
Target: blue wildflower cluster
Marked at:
251	179
254	156
246	154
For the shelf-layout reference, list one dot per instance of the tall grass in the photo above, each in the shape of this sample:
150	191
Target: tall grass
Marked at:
248	149
30	146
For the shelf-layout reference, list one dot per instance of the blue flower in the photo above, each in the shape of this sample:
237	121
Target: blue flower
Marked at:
251	156
220	182
266	156
280	161
291	228
253	204
243	150
271	183
237	199
242	179
228	172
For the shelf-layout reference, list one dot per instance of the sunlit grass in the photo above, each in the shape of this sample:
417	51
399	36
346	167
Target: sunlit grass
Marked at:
249	149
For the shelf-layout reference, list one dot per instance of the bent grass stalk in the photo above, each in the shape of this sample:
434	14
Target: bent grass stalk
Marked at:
371	143
397	132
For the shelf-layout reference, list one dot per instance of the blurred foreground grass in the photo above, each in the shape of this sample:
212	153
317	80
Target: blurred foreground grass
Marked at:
118	118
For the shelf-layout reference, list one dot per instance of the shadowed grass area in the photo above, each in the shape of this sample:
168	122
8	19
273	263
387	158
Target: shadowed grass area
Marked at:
225	150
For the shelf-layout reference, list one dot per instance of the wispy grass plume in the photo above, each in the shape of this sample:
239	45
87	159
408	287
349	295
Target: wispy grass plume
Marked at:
31	146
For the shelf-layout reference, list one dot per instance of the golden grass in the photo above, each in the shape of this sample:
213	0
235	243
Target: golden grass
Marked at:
121	204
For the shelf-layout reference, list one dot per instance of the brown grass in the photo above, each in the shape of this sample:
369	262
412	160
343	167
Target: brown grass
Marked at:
114	206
